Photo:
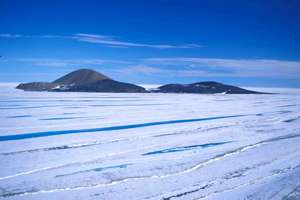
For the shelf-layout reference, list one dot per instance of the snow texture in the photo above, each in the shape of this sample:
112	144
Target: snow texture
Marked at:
149	146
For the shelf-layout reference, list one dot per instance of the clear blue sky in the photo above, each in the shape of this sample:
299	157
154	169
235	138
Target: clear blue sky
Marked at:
242	42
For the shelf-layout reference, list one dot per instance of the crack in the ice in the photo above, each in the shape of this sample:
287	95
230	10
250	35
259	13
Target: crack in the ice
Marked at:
95	143
253	181
292	119
185	148
188	170
187	192
228	176
293	195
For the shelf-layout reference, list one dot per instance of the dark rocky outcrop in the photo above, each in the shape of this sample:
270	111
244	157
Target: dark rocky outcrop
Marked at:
86	80
209	87
106	85
81	77
82	80
37	86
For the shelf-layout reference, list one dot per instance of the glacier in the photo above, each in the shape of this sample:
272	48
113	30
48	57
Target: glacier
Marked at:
150	146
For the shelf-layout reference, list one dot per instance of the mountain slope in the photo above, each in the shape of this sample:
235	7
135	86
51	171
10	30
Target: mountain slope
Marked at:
86	80
209	87
36	86
106	85
82	80
81	77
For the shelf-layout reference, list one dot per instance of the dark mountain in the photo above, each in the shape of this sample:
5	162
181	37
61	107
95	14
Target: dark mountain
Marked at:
36	86
106	85
86	80
82	80
209	87
81	77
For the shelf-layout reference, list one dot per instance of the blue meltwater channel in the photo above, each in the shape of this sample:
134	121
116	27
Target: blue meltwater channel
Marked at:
111	128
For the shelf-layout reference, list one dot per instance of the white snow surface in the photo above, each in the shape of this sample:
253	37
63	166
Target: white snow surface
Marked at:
57	145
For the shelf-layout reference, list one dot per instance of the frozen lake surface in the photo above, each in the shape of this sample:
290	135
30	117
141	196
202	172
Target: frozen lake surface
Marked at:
149	146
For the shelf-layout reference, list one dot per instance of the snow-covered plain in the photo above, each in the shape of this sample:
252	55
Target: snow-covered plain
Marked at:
149	146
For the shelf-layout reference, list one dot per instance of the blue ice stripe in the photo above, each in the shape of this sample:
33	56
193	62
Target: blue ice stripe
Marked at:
185	148
111	128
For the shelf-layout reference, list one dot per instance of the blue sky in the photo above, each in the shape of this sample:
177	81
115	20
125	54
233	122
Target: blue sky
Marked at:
242	42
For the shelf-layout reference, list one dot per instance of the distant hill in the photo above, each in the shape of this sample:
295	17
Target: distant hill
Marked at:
208	87
37	86
81	77
82	80
87	80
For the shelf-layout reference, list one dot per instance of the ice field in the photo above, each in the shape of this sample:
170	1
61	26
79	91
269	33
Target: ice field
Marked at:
149	146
